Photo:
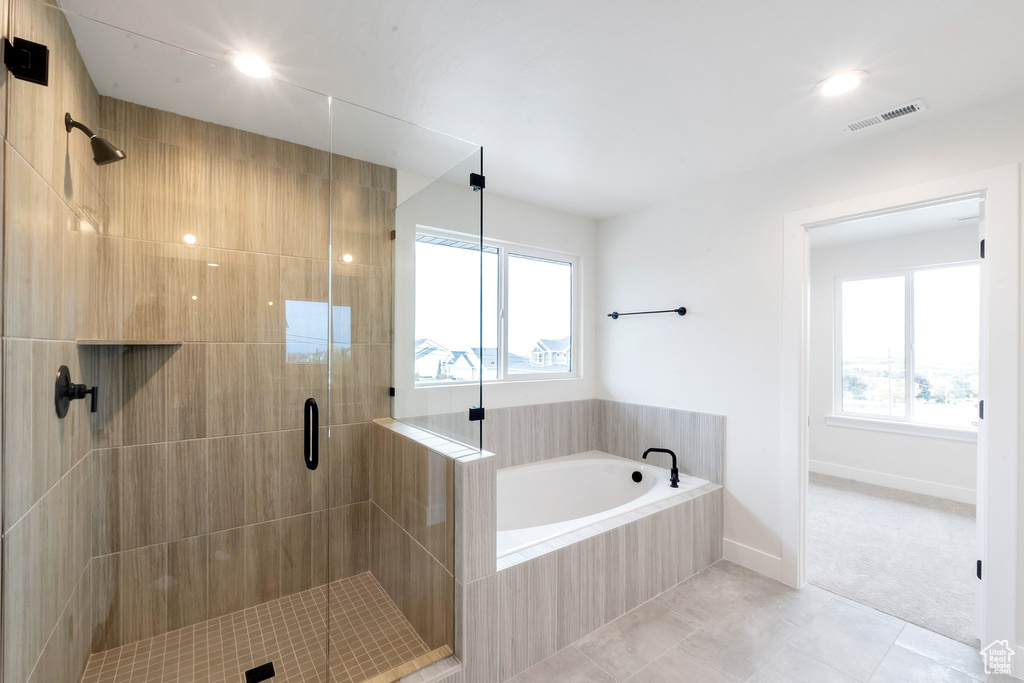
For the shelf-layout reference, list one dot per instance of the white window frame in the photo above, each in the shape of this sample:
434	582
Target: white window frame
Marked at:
889	423
576	324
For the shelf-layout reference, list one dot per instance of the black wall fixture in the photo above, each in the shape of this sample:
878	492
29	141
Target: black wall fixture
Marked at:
103	151
64	392
614	315
27	61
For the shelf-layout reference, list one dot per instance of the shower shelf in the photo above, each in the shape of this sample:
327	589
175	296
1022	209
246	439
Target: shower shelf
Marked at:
128	342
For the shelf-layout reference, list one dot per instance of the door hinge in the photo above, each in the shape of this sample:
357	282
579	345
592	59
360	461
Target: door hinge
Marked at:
476	414
477	181
979	569
391	391
27	61
982	249
394	235
981	409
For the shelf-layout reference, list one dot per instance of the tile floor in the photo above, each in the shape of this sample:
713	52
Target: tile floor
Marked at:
369	637
728	624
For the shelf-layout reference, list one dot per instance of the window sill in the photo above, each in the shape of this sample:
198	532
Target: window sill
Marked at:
905	428
518	379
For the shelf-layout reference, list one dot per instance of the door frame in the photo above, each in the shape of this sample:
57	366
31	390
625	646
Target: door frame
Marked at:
999	432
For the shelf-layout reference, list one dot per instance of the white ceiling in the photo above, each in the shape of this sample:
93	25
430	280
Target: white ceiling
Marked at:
601	106
964	213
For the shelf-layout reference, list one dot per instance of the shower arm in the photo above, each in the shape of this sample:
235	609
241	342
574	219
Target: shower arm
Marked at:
70	123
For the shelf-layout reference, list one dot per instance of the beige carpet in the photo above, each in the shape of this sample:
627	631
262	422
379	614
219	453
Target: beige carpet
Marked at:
905	554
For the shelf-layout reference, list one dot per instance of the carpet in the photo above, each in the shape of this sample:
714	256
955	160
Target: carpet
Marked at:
905	554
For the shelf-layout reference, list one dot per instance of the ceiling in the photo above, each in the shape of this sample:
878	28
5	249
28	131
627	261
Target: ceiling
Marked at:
963	213
597	107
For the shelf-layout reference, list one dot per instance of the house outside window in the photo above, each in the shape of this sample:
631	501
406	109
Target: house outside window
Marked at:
529	313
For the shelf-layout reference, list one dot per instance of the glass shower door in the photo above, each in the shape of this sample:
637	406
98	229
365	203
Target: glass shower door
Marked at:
171	526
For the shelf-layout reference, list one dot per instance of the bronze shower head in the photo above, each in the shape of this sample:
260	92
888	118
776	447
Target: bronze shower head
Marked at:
103	152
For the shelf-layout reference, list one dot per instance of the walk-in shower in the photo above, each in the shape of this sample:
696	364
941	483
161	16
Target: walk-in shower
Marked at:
235	269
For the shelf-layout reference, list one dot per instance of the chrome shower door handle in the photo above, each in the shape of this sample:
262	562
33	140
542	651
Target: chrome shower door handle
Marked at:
311	439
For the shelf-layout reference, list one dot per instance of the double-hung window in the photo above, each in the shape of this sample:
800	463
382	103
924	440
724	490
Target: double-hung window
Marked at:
907	346
528	319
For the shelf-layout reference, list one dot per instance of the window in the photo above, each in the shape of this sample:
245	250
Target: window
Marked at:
527	319
920	323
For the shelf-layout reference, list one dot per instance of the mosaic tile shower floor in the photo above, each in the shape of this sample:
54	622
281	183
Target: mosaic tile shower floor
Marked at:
369	637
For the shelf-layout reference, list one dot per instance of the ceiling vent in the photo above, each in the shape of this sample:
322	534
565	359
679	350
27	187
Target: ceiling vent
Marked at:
885	116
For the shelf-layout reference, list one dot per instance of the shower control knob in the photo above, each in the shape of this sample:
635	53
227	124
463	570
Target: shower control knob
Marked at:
64	392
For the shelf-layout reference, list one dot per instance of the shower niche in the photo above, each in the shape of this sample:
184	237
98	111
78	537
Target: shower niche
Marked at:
209	252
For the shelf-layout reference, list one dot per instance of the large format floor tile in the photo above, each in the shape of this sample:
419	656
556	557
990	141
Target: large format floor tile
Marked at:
747	628
568	666
846	638
679	666
740	640
904	666
792	666
635	639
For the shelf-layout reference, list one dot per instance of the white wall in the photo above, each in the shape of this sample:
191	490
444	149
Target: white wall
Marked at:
449	206
934	466
716	248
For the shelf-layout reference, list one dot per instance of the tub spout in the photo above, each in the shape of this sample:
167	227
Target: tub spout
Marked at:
675	468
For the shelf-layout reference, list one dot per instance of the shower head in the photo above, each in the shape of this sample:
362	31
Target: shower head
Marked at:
103	152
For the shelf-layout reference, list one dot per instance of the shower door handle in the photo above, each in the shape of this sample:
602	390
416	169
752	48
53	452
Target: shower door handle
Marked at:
311	440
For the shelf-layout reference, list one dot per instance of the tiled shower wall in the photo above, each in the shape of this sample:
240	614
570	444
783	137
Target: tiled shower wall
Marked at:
201	476
50	188
529	433
185	496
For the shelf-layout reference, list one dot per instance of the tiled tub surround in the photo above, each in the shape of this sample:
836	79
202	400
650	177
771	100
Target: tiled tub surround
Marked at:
184	498
511	614
529	433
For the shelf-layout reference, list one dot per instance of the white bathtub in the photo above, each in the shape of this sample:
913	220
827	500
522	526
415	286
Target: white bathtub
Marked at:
543	500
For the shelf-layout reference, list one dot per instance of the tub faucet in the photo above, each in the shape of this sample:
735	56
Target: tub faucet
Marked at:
675	469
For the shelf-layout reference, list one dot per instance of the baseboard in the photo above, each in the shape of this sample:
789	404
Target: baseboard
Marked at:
893	481
753	559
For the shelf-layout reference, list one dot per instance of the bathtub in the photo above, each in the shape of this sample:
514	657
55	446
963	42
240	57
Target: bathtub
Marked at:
543	500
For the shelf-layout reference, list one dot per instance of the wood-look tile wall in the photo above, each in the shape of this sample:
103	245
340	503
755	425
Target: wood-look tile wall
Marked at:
207	506
530	433
185	496
412	531
50	191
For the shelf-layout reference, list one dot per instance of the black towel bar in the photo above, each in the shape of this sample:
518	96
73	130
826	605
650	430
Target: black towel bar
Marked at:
614	315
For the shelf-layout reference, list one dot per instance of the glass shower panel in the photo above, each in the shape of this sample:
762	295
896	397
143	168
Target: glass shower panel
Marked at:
404	567
446	305
179	525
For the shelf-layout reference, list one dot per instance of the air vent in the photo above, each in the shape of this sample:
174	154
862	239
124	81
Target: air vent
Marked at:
885	116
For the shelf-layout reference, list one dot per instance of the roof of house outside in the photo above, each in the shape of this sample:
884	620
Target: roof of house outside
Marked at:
555	345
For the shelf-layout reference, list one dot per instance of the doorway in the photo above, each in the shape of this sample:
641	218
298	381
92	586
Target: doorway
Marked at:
999	368
892	397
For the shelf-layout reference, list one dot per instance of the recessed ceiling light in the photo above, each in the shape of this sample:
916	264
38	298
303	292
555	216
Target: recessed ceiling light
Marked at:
189	239
251	65
841	83
347	258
